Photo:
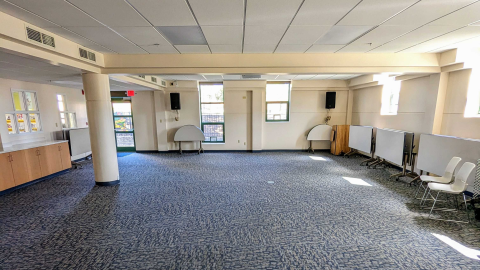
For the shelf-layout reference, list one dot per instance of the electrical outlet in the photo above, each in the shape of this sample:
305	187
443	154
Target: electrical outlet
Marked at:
238	141
244	143
244	97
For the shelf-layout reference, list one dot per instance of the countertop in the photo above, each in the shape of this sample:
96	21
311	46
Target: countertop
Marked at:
25	146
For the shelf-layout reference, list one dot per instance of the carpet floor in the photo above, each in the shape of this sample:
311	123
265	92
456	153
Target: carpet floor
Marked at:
271	210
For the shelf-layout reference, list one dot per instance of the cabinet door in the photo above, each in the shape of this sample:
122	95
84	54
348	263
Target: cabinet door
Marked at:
50	159
19	167
65	154
6	176
33	163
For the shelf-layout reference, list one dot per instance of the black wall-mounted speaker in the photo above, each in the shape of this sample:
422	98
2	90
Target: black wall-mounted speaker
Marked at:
175	101
330	101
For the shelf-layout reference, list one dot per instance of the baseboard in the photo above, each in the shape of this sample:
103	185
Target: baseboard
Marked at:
147	151
33	182
236	151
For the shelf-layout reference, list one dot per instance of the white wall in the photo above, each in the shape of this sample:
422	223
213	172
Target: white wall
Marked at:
454	122
47	102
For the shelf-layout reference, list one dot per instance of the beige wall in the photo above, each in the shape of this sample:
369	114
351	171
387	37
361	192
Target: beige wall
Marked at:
143	105
454	122
245	125
49	114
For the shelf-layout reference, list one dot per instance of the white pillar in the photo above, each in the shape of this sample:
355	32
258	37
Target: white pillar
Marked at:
100	122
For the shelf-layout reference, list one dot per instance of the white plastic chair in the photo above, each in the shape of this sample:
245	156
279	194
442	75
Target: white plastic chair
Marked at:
445	179
458	186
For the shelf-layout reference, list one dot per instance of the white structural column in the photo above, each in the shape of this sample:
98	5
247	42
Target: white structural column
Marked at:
102	136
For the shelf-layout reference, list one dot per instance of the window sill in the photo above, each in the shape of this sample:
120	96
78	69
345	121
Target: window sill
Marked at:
283	121
212	143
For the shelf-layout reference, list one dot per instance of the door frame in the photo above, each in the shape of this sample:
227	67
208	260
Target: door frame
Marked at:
123	149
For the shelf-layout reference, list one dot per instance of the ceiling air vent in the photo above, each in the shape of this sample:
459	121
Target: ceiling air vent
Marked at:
87	54
251	76
40	37
141	76
154	79
164	83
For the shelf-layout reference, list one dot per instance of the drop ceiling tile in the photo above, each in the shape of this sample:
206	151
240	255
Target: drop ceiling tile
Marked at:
107	38
469	43
390	48
57	11
264	34
426	11
374	12
194	78
142	35
442	41
289	48
223	35
193	48
259	48
305	77
183	35
226	48
382	34
108	12
356	48
165	12
323	76
341	34
160	49
271	12
285	77
422	34
77	38
232	77
324	48
304	34
214	77
325	12
462	17
24	15
268	77
226	12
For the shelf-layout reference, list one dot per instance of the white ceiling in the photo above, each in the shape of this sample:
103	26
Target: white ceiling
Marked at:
258	26
269	77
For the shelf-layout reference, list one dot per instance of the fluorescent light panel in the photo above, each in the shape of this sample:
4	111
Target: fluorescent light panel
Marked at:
183	35
342	35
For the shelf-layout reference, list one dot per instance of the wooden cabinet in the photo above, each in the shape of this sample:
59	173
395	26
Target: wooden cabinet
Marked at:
20	171
6	176
20	167
339	139
32	158
65	155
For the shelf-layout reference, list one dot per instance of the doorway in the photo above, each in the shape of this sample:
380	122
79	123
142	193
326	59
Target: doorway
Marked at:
123	125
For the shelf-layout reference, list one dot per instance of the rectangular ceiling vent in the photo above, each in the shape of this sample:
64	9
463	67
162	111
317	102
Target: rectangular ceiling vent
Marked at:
142	76
251	76
153	79
87	55
163	83
37	36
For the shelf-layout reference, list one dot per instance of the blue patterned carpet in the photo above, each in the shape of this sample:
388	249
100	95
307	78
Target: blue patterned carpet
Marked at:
219	211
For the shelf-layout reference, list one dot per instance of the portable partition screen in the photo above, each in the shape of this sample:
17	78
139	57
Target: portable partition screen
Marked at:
390	145
435	151
361	138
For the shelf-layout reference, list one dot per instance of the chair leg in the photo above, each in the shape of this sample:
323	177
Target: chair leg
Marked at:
431	210
419	185
466	208
424	193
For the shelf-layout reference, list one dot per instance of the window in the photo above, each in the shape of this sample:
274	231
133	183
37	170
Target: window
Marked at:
68	119
26	118
213	118
390	97
278	101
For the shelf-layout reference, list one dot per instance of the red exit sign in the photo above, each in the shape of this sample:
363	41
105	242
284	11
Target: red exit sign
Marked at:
130	93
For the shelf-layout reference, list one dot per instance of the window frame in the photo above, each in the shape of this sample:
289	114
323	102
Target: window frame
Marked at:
66	112
26	112
202	124
392	88
278	102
